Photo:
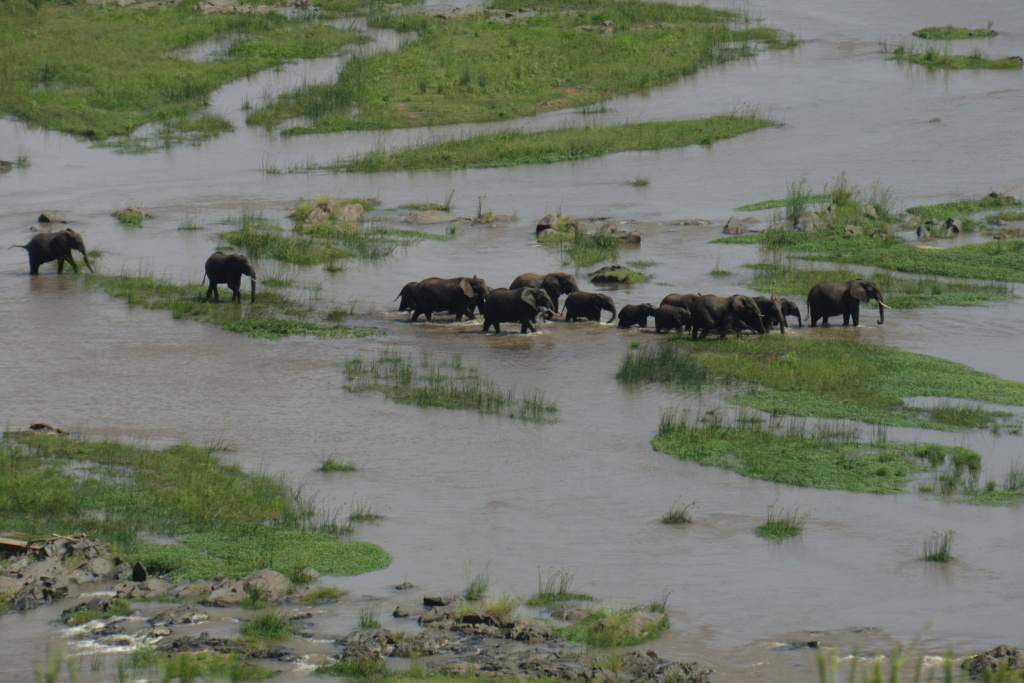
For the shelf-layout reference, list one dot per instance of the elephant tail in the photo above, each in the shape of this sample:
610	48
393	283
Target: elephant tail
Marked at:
19	246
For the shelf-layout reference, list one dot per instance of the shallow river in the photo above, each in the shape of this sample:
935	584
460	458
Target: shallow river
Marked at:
585	494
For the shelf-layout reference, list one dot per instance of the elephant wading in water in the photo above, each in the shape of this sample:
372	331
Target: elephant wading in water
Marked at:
588	305
407	296
54	246
229	269
723	313
520	305
843	298
554	284
635	314
790	308
771	312
458	295
671	318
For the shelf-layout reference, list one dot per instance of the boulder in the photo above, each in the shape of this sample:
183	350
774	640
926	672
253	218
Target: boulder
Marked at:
735	226
953	226
351	213
51	217
853	230
808	221
999	658
272	585
150	589
869	211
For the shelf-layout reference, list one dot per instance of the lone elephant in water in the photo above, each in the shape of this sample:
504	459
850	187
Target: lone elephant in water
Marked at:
229	269
54	246
843	298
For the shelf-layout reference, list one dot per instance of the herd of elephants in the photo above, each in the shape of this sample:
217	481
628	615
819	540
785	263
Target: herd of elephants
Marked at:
531	294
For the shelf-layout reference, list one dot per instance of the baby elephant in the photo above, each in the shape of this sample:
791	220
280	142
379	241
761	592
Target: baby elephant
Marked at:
54	246
229	269
635	314
671	318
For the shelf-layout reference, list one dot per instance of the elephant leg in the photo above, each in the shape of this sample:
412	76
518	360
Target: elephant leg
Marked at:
60	265
213	289
71	259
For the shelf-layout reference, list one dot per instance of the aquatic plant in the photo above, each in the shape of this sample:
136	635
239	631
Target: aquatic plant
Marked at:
954	32
269	626
477	582
659	363
555	588
361	511
329	464
678	514
616	627
369	617
781	524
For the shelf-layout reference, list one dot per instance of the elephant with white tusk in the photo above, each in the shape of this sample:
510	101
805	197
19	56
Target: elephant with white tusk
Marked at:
843	298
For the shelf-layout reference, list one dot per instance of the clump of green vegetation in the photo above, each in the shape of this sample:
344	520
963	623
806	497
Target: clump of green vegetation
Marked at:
1006	216
477	582
660	363
781	524
964	208
819	457
356	668
222	519
130	83
443	385
255	598
369	617
512	148
467	69
329	464
555	588
678	514
622	627
640	181
119	607
954	32
268	626
188	666
939	547
272	316
937	58
788	279
361	511
324	594
190	130
189	222
130	216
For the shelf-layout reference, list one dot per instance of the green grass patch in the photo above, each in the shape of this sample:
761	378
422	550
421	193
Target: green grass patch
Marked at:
478	582
1000	260
62	71
844	379
963	208
900	292
324	594
119	607
607	627
780	524
583	249
443	384
190	130
939	548
678	514
780	203
555	589
1006	216
369	617
149	664
953	33
512	148
943	58
223	520
360	669
462	70
273	316
131	217
332	465
661	363
268	626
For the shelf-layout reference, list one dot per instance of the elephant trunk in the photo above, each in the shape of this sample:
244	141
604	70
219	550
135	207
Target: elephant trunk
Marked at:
85	260
252	289
881	310
611	307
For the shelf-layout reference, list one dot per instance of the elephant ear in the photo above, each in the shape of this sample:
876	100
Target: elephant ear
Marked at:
467	288
529	297
857	290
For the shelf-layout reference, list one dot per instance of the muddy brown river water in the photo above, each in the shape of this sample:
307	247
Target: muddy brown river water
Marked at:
585	494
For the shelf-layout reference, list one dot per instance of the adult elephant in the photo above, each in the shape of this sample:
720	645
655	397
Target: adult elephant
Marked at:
679	300
229	269
407	296
520	305
555	284
724	313
843	298
771	312
671	318
588	305
54	246
635	314
458	295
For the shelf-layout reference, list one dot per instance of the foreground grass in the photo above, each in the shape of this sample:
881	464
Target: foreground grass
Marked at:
223	520
448	384
510	148
469	70
100	71
273	316
900	292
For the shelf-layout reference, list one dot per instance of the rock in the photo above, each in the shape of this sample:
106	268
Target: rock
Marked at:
400	612
139	572
143	590
570	614
101	567
196	590
404	586
429	217
869	211
436	618
43	428
735	226
531	631
51	217
439	601
853	230
272	585
307	575
808	221
953	226
999	658
547	232
910	222
351	213
184	614
694	221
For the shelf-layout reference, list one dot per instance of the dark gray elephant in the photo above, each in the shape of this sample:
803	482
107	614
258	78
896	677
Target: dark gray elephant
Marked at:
555	284
54	246
843	298
790	308
671	318
771	312
407	296
635	314
458	295
682	300
229	269
520	305
724	313
587	305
